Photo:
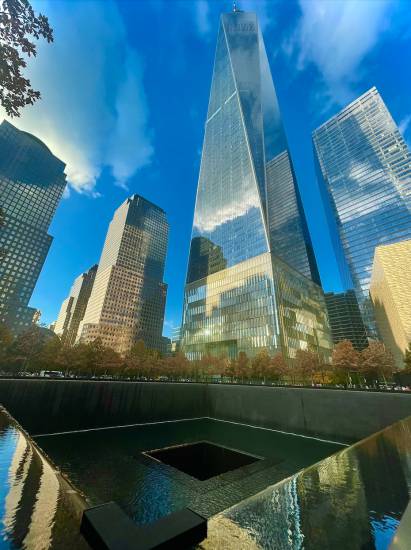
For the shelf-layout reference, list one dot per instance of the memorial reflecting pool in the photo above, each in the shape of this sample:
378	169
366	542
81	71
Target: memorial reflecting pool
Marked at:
260	489
113	464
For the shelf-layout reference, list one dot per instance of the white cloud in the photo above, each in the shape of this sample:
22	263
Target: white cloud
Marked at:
202	17
93	111
263	8
336	36
404	124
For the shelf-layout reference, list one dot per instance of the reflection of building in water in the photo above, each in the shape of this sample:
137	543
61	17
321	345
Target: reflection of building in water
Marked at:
32	182
336	486
390	292
128	297
364	167
74	307
381	458
33	491
252	280
35	511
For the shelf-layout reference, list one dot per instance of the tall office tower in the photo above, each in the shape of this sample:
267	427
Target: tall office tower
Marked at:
390	291
32	181
74	307
345	319
128	297
364	167
251	279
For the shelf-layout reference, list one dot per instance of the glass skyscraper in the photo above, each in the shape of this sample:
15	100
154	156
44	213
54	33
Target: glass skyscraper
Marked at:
128	297
364	167
32	181
252	279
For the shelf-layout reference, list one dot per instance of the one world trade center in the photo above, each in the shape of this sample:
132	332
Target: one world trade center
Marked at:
252	280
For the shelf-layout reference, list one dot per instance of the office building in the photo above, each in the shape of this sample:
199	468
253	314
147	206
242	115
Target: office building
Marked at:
176	339
345	319
74	307
128	297
390	292
32	181
252	280
364	168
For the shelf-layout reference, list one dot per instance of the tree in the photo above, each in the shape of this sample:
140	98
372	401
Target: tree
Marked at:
260	365
48	356
26	347
241	366
177	366
407	359
345	360
306	364
209	365
6	339
230	369
376	362
277	367
19	27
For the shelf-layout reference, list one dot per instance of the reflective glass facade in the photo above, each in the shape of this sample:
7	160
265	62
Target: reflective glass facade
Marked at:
247	197
345	319
260	303
32	181
128	297
364	166
248	208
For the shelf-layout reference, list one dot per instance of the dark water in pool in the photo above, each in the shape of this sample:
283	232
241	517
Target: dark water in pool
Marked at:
110	465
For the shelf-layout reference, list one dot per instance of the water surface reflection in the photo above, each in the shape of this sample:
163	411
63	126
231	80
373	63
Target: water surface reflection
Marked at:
353	499
34	510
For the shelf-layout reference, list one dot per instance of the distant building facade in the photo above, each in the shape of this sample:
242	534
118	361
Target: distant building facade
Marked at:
391	296
252	280
165	347
128	297
176	340
345	319
32	182
364	168
74	307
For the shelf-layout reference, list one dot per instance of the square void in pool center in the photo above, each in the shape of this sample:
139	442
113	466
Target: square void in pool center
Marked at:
203	459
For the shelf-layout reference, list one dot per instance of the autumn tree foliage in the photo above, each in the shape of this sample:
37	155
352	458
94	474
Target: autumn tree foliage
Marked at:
260	365
37	349
20	28
6	339
407	359
346	361
242	366
278	368
306	365
377	363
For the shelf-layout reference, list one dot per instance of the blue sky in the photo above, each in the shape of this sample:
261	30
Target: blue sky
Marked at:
125	90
